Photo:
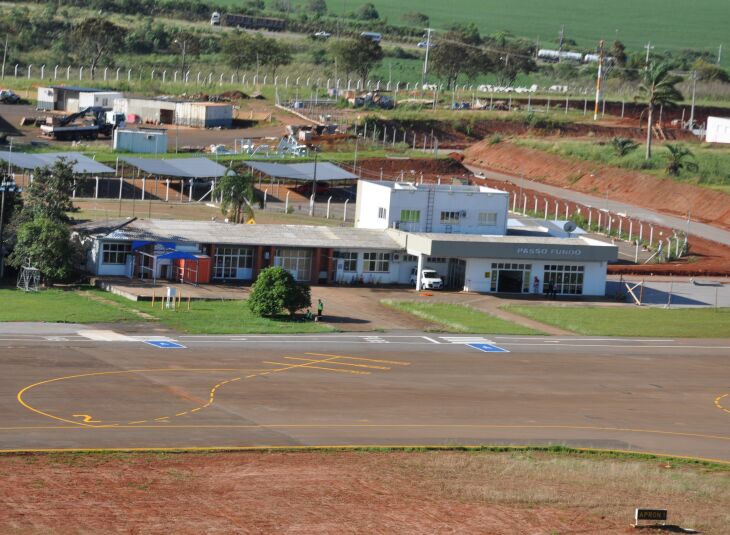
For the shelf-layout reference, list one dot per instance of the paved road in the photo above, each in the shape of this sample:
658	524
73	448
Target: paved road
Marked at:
698	229
72	387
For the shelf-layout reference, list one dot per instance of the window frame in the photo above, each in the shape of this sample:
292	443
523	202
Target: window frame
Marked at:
120	249
376	262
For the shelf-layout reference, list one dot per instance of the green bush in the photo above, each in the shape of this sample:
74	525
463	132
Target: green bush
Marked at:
275	290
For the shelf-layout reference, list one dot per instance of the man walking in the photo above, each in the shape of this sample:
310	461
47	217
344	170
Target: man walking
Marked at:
320	308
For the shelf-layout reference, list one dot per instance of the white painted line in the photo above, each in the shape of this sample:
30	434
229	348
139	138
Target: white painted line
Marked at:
430	340
105	336
622	346
636	340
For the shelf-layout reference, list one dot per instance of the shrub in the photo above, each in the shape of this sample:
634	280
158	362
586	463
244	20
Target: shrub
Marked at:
275	290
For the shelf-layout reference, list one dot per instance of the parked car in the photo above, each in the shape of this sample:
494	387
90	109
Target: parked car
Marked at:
322	35
430	279
373	36
425	44
8	97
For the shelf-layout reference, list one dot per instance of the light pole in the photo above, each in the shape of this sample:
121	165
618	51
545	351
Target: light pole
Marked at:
9	185
184	43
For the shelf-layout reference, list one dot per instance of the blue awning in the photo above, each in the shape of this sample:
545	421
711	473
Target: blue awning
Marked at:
177	255
137	244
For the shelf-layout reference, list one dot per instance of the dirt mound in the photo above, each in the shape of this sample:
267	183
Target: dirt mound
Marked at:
663	195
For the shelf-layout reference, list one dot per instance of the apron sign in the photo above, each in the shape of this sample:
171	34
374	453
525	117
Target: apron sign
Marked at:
651	514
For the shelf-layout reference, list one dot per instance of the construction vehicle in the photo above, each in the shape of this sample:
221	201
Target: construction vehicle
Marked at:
102	122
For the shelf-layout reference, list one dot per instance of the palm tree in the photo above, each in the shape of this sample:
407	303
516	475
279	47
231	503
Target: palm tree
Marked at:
623	145
235	192
657	88
677	154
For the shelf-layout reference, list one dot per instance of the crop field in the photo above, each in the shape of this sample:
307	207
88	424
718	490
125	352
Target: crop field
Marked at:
668	24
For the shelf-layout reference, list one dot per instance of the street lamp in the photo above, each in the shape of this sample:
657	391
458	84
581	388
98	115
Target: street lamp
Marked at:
184	43
9	185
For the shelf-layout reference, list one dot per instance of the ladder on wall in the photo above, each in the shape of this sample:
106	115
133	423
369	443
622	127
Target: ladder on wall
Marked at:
429	208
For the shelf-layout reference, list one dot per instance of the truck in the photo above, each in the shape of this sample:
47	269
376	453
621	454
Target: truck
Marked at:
430	279
251	22
103	122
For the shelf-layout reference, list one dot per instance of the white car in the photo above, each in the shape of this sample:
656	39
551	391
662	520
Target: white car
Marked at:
425	44
322	35
430	279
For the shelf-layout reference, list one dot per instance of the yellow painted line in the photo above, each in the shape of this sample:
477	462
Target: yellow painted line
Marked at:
195	410
181	413
349	447
719	405
138	422
396	362
344	363
162	419
321	368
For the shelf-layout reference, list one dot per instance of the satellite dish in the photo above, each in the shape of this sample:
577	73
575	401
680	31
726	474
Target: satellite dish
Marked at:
569	226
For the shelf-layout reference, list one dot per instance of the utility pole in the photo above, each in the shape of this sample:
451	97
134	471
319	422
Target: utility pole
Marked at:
719	55
648	48
692	110
562	38
5	55
424	78
599	79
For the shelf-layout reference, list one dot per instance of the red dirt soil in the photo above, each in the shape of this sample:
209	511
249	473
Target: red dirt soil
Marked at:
255	493
707	206
412	169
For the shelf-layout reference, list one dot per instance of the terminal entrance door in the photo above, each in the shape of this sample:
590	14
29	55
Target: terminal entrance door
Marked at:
510	281
456	274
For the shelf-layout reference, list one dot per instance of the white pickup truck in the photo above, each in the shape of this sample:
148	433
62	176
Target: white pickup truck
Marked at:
430	279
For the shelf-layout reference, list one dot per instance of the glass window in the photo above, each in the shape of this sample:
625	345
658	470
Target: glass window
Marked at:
449	218
488	219
410	216
229	259
349	260
567	280
382	213
115	253
376	262
297	261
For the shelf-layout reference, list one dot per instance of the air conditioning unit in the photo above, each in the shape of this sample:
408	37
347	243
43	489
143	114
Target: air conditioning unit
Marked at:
463	213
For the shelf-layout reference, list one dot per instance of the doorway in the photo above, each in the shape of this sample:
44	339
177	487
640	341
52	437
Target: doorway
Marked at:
456	274
509	281
167	116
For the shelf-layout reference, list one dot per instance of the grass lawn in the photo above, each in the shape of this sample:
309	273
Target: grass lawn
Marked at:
216	317
58	306
458	318
626	321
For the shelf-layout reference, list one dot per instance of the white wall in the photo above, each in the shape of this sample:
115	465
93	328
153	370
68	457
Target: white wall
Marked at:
140	141
370	197
718	130
104	99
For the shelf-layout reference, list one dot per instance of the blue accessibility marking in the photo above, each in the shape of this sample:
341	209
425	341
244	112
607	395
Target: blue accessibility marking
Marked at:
489	348
164	344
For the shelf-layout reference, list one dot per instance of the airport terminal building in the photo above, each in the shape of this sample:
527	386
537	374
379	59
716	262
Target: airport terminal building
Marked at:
462	232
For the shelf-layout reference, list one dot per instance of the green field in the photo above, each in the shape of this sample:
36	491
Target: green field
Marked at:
668	24
629	321
58	306
458	318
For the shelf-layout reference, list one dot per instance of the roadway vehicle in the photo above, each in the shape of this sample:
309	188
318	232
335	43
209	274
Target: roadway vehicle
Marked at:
322	35
8	97
102	122
373	36
430	279
215	19
425	44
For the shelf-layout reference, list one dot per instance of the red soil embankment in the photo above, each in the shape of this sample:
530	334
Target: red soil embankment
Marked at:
654	193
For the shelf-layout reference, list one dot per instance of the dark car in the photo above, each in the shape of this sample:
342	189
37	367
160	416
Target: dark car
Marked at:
8	97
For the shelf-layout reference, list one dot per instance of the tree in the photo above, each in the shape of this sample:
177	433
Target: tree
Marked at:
236	192
415	18
458	52
277	54
244	50
317	7
49	195
94	39
623	145
46	244
676	161
710	72
618	53
359	55
657	88
510	58
367	12
276	290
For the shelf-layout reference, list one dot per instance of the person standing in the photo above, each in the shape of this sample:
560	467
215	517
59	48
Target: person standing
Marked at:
536	285
320	308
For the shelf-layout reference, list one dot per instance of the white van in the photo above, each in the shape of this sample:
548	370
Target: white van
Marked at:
215	19
373	36
430	279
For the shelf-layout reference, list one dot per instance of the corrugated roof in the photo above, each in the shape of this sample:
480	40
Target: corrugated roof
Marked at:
182	231
326	171
84	165
179	167
78	88
526	240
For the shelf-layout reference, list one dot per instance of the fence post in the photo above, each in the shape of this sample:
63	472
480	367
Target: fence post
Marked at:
328	206
344	214
30	69
55	72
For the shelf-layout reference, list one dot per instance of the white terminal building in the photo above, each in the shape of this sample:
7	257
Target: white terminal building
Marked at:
401	229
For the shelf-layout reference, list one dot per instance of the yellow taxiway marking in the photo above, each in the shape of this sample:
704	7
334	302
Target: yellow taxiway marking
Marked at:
343	363
87	418
719	405
311	365
395	362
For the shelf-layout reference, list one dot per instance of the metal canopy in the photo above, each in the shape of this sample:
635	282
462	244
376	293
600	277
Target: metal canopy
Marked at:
179	167
83	165
326	171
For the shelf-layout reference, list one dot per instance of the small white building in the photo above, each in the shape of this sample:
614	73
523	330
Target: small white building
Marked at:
69	98
98	99
140	141
718	130
181	112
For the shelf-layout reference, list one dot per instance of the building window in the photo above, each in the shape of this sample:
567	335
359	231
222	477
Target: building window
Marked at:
488	219
567	280
450	218
298	262
382	213
376	262
526	270
229	259
436	260
410	216
410	258
349	260
115	253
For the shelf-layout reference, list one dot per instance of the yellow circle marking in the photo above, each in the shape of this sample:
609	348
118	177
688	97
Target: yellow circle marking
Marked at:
718	403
